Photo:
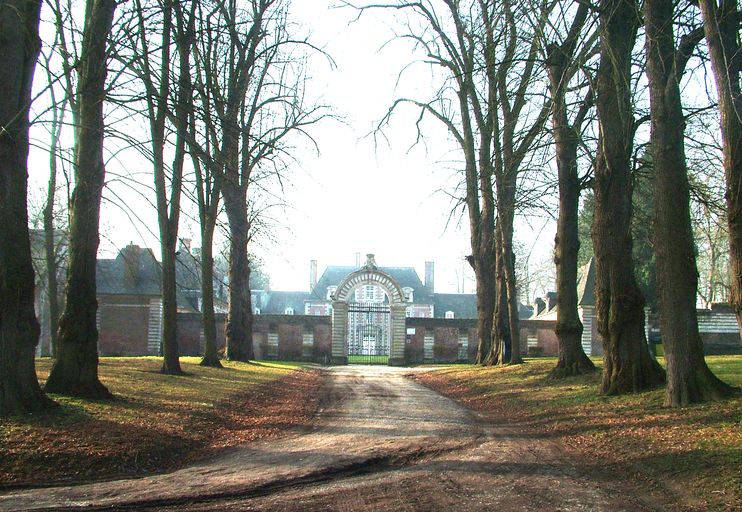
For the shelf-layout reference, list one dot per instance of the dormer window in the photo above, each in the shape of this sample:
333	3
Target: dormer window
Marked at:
449	314
408	294
288	311
331	291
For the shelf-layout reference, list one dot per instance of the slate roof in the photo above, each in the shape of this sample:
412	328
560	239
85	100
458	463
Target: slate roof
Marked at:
406	277
275	303
110	275
524	311
463	305
112	279
585	291
586	284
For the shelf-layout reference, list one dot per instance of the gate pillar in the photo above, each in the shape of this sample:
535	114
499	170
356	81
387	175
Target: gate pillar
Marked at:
339	333
399	334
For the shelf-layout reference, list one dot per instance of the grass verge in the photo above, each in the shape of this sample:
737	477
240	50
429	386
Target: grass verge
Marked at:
695	450
156	421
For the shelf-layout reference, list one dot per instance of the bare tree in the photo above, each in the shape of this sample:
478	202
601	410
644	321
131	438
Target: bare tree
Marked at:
485	104
628	366
75	371
688	377
562	65
521	123
167	100
257	100
721	27
54	244
19	330
204	146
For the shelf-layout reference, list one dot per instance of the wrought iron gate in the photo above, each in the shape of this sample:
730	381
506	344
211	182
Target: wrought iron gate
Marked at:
369	333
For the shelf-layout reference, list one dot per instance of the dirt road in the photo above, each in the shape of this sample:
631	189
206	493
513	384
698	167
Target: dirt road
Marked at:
380	442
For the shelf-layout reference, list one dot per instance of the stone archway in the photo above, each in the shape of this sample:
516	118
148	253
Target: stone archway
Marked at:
369	274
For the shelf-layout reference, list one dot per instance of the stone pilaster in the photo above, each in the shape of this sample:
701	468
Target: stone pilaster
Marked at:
339	333
396	349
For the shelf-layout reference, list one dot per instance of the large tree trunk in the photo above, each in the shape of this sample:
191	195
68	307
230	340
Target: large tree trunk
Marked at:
722	36
239	316
211	357
628	366
19	330
572	358
75	371
170	352
688	377
515	356
485	275
501	339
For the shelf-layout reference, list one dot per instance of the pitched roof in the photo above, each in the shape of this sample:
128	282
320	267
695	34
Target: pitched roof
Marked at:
135	271
463	305
276	302
406	277
586	284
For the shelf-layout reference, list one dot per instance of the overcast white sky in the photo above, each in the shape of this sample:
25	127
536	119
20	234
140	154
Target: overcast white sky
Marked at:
355	195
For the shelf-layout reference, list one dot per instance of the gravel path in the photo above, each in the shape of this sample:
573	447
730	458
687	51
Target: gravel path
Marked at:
380	442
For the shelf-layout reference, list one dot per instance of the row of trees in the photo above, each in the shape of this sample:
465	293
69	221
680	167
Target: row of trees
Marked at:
525	82
220	88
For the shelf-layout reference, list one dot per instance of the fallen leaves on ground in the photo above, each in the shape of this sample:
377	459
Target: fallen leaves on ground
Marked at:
695	450
156	421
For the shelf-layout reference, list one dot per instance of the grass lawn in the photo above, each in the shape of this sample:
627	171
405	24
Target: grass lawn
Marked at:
368	359
156	421
697	449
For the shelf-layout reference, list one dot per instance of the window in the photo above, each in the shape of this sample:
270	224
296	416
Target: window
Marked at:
288	311
331	291
368	293
408	294
449	314
257	311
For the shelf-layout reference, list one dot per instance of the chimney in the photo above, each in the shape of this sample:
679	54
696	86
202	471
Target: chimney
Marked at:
540	306
312	274
185	243
358	259
430	276
130	254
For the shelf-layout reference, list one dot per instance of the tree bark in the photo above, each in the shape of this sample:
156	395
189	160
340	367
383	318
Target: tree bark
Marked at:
572	359
50	242
720	24
688	377
485	276
628	366
211	356
19	329
239	317
501	339
75	371
506	217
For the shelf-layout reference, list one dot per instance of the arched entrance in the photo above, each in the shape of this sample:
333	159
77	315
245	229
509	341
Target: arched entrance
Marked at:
374	327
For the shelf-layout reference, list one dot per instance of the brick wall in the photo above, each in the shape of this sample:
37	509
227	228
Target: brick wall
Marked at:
123	325
447	336
287	337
